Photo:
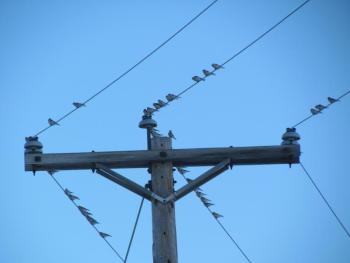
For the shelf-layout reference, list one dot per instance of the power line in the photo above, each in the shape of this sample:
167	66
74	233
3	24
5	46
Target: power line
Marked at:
325	200
312	115
133	67
241	50
98	232
224	229
134	229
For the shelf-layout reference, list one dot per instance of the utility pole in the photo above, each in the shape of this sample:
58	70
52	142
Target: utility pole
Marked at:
160	159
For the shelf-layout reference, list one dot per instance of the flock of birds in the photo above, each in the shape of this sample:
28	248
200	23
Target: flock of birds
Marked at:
85	212
200	194
319	107
171	97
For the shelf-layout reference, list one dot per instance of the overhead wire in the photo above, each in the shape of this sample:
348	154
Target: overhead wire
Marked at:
325	200
241	50
225	230
96	229
132	67
312	115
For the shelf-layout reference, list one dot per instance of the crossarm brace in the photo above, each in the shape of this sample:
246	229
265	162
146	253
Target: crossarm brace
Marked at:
127	183
200	180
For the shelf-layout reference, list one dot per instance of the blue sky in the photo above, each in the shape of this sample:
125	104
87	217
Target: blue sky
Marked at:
56	52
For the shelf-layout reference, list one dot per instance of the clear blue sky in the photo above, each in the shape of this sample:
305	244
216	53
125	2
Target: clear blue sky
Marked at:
55	52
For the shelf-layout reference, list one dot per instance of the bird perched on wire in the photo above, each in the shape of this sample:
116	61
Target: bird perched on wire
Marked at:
148	111
332	100
81	208
314	111
320	107
217	215
197	79
183	171
104	235
52	122
171	135
157	105
78	104
207	73
207	204
70	195
171	97
216	66
92	220
161	103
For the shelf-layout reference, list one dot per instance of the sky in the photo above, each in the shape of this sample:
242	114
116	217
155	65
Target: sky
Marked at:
55	52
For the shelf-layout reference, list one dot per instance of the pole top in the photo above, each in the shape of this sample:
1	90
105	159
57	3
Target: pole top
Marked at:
33	145
147	122
290	137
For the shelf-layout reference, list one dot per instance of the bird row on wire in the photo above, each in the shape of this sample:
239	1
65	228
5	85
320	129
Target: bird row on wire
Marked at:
170	97
200	194
319	107
84	211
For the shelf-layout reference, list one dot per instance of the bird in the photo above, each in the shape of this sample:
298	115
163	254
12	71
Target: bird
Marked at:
182	171
320	107
157	105
171	97
161	103
332	100
207	73
78	104
207	204
149	111
52	122
314	111
197	78
67	192
81	208
85	213
72	197
171	135
200	194
217	215
104	235
216	66
92	220
204	200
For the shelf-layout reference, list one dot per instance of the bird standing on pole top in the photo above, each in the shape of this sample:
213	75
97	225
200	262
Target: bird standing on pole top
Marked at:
171	135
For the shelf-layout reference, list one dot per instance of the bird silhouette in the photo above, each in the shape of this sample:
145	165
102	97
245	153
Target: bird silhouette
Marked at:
217	215
320	107
171	135
197	78
314	111
207	73
182	171
52	122
216	66
171	97
332	100
104	235
78	104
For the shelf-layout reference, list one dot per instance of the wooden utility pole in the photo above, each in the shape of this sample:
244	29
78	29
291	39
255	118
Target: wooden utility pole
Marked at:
163	215
160	159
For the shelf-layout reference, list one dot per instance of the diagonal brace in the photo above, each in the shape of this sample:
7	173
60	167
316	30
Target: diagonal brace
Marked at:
200	180
127	183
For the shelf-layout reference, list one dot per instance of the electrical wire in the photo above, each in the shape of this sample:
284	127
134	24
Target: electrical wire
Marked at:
312	115
98	232
134	229
133	67
241	50
325	200
225	230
